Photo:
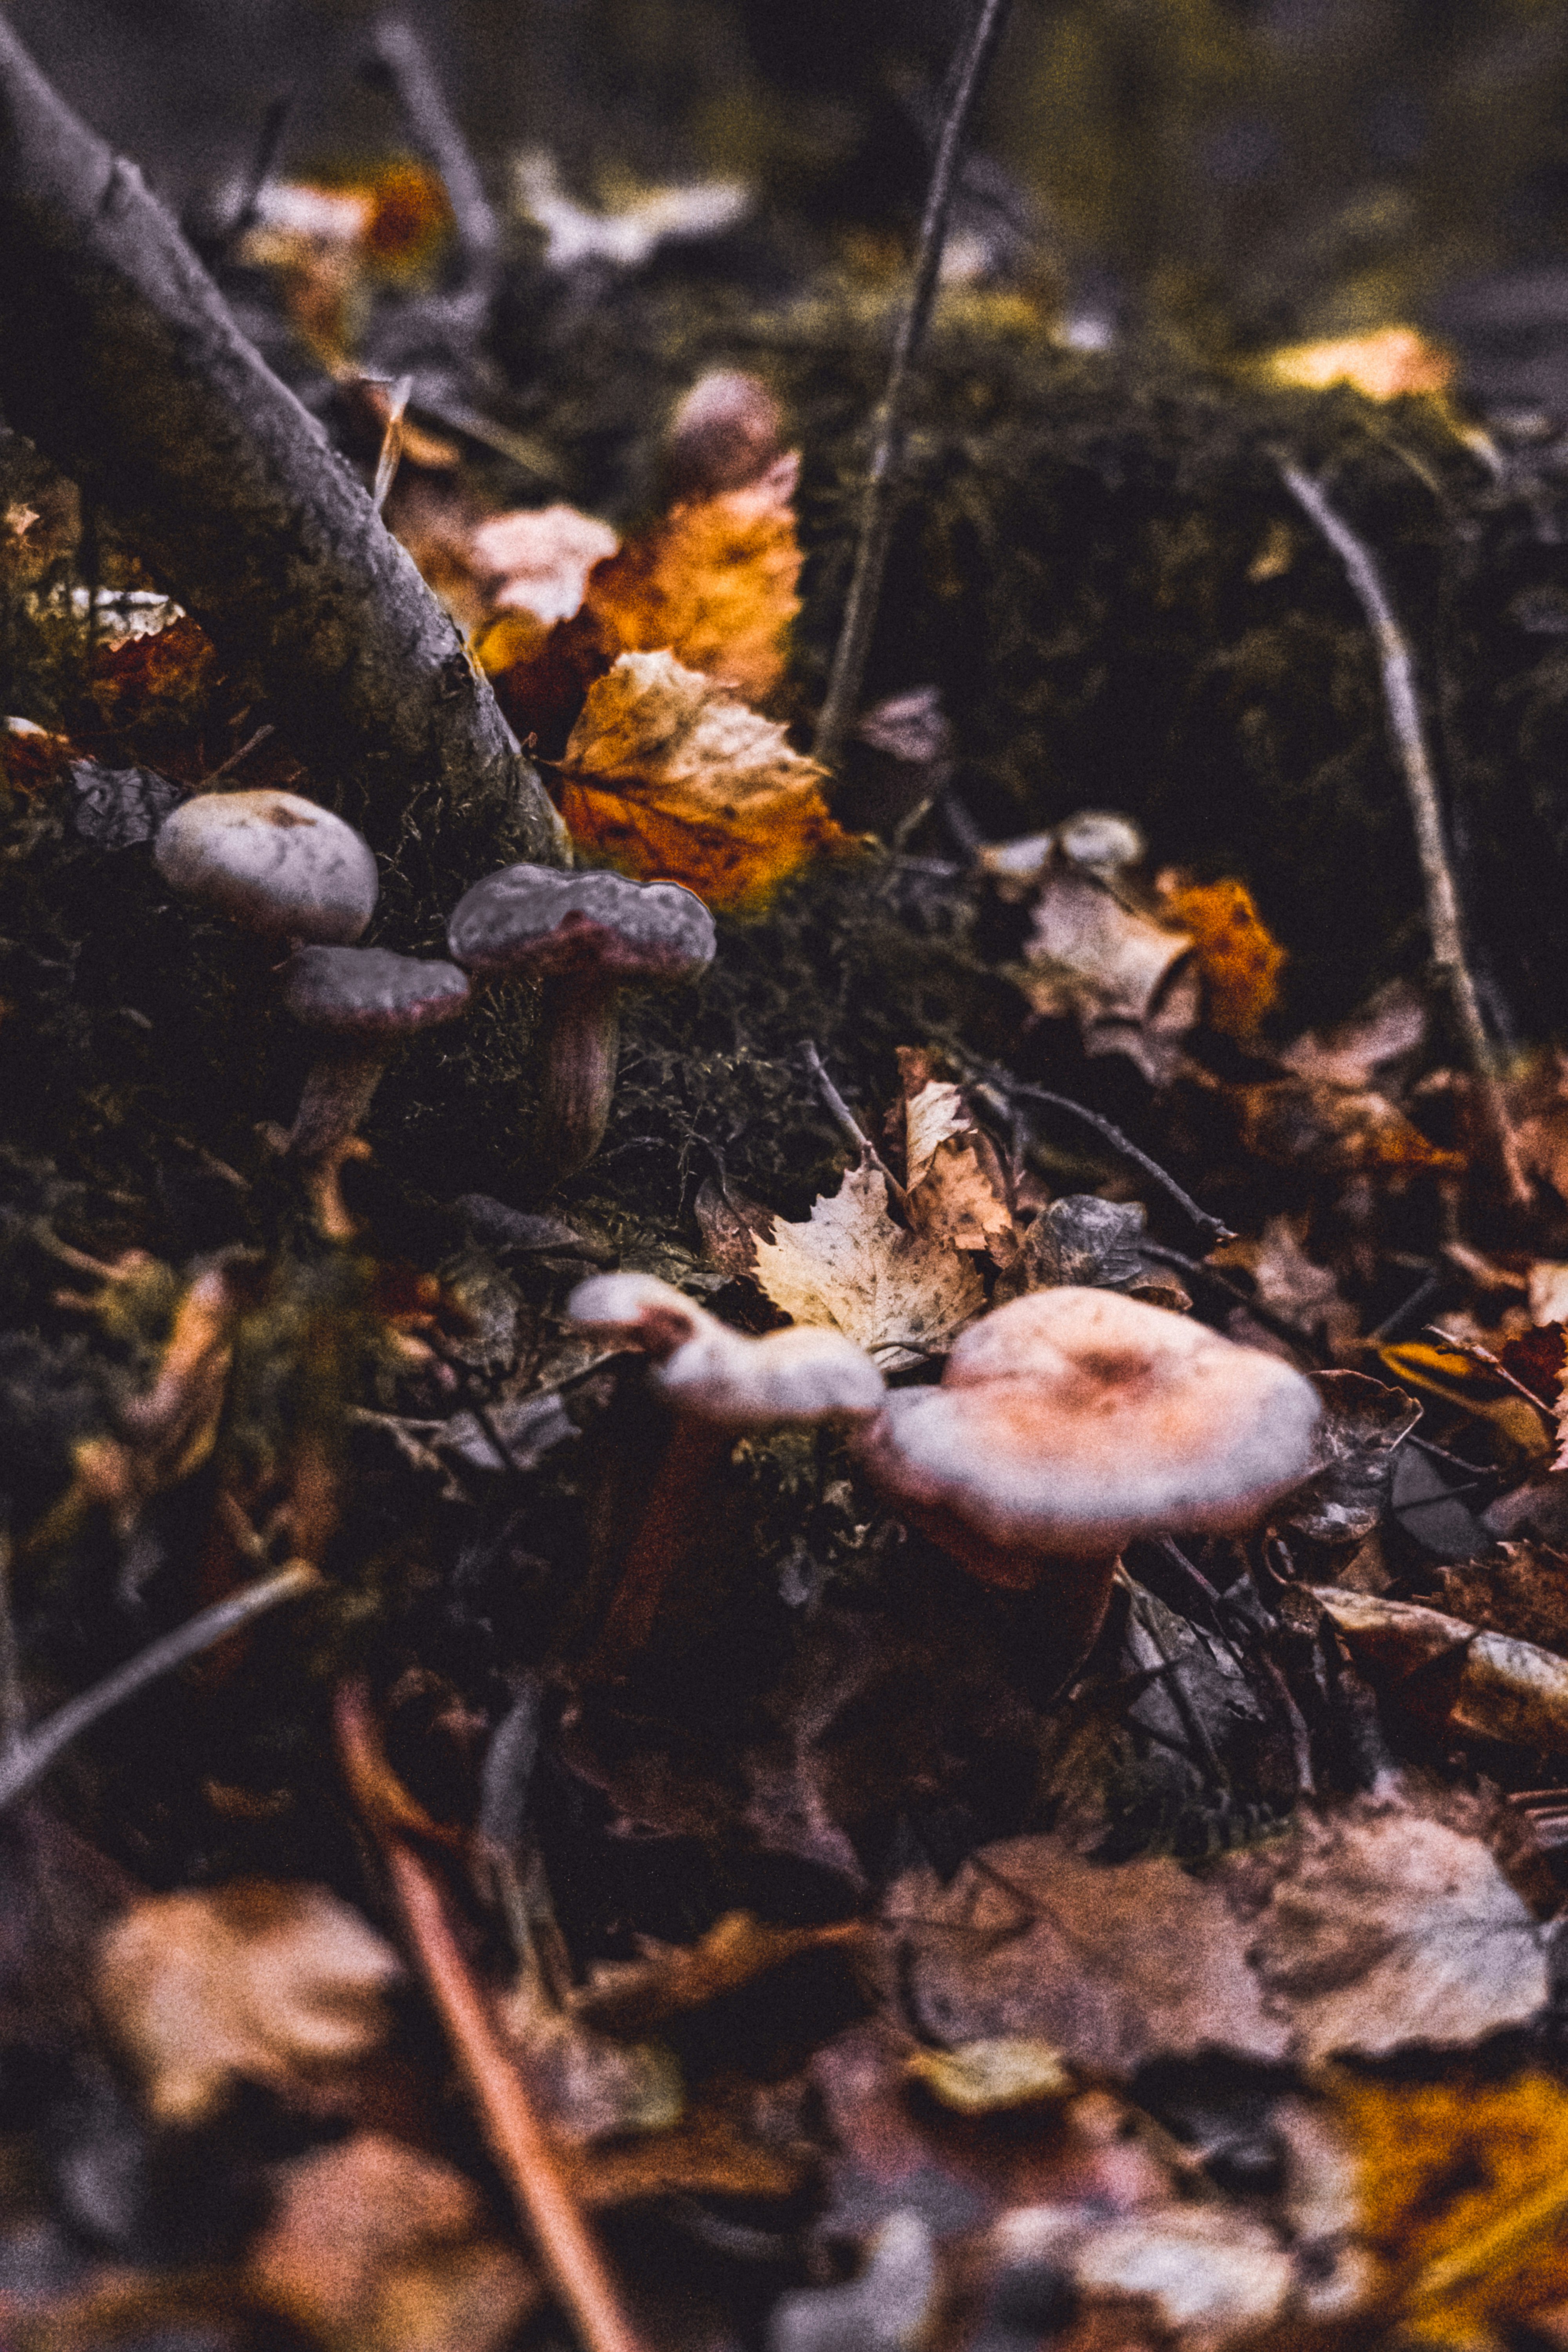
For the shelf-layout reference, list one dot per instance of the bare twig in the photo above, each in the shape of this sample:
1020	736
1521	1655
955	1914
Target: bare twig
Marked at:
227	768
1444	921
33	1756
12	1705
844	1120
400	53
263	163
1211	1231
878	503
520	2141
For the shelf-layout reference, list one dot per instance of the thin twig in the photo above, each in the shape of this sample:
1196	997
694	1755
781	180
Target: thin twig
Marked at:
1209	1277
227	768
845	1119
520	2141
877	502
32	1756
263	163
1211	1231
392	439
1444	921
400	55
12	1705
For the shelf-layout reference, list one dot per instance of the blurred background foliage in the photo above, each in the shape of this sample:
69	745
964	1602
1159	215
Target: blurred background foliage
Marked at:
1242	171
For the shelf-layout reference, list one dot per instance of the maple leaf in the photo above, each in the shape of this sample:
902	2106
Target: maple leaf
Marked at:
279	1984
903	1297
669	776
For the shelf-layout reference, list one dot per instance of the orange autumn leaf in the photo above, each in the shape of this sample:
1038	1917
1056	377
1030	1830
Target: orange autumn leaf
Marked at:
712	582
671	777
1238	957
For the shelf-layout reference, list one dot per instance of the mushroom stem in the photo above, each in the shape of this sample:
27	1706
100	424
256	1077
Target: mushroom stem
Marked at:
1071	1590
667	1535
337	1094
577	1051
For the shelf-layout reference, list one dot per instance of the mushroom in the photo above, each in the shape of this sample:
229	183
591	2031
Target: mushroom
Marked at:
587	938
726	432
363	1003
1068	1421
719	1384
273	862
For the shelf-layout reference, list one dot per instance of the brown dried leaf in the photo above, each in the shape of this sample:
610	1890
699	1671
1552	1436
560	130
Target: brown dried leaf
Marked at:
1239	956
632	1997
669	775
1132	985
1338	1130
375	2247
956	1189
1389	1027
271	1983
538	559
902	1297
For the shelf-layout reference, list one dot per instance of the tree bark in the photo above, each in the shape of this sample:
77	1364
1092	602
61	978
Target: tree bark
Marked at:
119	358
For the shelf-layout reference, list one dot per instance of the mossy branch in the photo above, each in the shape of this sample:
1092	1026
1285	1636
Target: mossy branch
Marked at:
119	357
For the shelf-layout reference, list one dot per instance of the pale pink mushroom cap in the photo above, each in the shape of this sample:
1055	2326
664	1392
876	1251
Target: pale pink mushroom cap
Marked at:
707	1372
272	862
1071	1421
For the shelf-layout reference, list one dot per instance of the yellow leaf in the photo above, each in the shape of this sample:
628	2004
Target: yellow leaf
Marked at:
903	1297
669	776
1239	958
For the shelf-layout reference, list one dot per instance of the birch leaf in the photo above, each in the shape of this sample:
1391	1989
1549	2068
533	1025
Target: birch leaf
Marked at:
903	1297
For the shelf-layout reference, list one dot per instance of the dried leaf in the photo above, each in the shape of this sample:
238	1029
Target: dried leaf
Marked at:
903	1297
667	776
628	1996
982	2078
1338	1130
1084	1240
886	2309
1389	1028
278	1984
627	235
1491	1684
538	559
1132	985
1238	957
1294	1284
1196	2275
375	2247
1354	1448
956	1190
713	583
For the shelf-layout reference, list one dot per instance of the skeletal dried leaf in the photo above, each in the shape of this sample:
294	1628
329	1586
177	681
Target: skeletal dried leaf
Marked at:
375	2247
669	776
903	1297
274	1983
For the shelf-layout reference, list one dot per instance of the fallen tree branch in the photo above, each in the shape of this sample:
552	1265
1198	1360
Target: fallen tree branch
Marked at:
25	1763
877	504
569	2251
118	356
1444	922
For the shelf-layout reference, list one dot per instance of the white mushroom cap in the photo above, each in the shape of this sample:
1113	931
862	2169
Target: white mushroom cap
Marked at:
728	429
711	1373
1070	1422
276	864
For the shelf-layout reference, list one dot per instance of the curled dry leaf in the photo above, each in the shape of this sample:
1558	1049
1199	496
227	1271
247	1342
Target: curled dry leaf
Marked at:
631	1997
1237	955
1132	985
1295	1122
669	776
1387	1030
375	2246
955	1186
271	1983
1353	1445
1456	1679
903	1297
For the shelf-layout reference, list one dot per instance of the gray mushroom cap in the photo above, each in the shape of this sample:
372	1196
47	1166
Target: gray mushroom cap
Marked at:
1072	1419
272	862
370	993
537	921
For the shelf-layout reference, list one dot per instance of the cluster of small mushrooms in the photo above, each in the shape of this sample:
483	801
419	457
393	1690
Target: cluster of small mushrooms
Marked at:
293	872
1066	1423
